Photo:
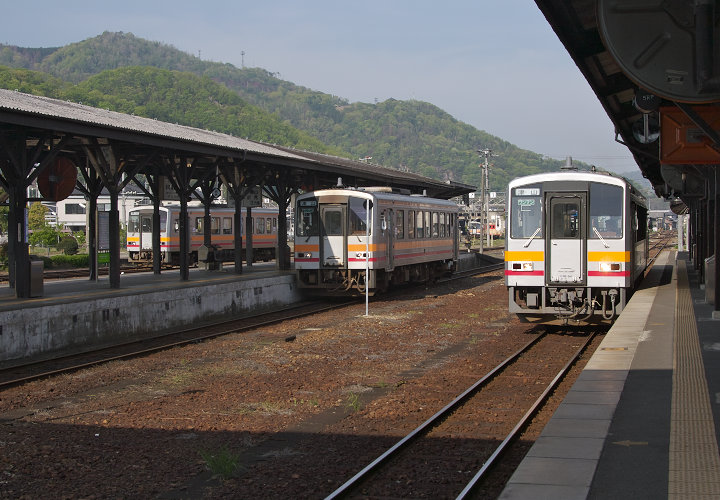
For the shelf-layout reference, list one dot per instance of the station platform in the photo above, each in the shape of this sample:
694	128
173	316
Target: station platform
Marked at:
76	315
642	419
79	289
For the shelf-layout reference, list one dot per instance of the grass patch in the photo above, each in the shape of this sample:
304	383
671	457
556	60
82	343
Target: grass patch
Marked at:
449	326
222	462
352	402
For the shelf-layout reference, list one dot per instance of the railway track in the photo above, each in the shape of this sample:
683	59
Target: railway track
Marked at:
19	374
406	468
22	373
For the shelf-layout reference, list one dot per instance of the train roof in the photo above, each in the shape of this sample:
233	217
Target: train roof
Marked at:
379	194
570	175
574	175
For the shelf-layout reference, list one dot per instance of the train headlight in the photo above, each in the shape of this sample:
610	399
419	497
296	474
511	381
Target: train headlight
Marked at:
360	255
304	255
607	267
522	266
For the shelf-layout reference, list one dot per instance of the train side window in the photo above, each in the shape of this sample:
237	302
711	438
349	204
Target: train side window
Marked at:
227	225
215	225
400	224
274	225
268	226
419	225
641	216
435	228
606	209
259	225
134	223
358	215
199	225
411	224
428	229
442	224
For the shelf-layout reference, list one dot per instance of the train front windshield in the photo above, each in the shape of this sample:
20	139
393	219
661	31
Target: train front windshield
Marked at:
526	212
307	223
606	209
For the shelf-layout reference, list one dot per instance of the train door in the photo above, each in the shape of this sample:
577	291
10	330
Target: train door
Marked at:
145	231
332	236
387	225
565	252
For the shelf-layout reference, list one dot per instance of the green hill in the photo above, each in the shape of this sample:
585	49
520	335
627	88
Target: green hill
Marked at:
169	96
122	72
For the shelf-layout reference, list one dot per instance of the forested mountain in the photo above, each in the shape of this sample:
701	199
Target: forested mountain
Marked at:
122	72
169	96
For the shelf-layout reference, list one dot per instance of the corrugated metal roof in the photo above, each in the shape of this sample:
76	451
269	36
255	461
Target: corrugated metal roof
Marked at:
138	127
44	106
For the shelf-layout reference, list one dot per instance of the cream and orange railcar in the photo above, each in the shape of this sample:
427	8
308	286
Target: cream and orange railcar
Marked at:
576	246
409	238
222	232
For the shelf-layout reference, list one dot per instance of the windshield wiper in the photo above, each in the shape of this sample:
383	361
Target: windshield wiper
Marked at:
527	243
601	238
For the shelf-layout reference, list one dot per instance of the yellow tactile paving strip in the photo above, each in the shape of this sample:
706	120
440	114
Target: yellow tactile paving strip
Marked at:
694	462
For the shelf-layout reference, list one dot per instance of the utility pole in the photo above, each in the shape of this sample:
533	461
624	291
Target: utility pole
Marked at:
484	205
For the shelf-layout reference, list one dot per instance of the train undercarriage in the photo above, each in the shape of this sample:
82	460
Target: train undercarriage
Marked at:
349	281
576	305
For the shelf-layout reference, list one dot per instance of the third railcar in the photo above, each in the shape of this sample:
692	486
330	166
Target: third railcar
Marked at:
222	232
411	238
576	246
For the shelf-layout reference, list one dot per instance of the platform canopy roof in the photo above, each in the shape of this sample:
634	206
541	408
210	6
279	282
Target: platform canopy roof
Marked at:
642	50
36	118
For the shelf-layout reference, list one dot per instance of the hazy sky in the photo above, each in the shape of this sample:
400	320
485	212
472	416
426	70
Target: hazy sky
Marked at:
494	64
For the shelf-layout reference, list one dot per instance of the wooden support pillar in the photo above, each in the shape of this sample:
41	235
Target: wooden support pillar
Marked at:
156	241
26	157
283	258
114	230
92	237
153	192
238	225
249	229
179	172
184	240
18	205
280	192
716	242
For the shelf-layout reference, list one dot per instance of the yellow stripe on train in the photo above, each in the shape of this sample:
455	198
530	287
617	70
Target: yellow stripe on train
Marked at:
608	256
513	255
375	247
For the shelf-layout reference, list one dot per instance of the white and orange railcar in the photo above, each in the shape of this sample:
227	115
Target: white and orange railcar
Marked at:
222	232
576	246
409	238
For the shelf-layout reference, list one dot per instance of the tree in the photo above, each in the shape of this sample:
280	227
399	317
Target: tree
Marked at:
36	216
46	236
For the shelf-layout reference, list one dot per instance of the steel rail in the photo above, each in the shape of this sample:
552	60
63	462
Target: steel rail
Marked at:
523	421
4	384
426	426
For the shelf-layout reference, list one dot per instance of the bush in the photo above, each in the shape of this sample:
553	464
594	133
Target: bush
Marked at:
81	260
68	245
47	261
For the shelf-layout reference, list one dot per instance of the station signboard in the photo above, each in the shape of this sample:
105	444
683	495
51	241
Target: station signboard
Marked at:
252	200
682	142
